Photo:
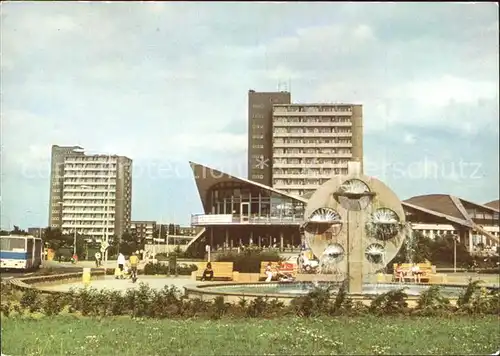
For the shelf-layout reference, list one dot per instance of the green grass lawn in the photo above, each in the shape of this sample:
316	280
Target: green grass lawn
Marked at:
71	335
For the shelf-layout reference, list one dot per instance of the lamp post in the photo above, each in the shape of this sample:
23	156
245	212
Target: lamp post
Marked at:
106	228
455	253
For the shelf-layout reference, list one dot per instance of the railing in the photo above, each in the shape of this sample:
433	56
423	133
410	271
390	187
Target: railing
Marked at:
227	219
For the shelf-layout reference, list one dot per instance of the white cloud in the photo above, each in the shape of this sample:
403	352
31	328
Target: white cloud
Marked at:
447	90
409	139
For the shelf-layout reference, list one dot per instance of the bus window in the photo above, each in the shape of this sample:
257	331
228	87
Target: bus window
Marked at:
13	244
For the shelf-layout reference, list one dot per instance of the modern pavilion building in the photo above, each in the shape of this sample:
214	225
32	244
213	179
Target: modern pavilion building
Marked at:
240	212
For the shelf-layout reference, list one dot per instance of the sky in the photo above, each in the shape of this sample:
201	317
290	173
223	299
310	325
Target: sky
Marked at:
166	83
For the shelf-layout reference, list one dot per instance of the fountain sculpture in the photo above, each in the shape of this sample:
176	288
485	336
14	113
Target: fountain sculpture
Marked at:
355	224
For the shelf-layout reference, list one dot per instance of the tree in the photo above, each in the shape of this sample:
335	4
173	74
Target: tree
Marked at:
130	242
18	231
416	249
443	251
55	239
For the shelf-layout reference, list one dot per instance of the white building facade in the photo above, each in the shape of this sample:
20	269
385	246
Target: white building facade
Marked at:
96	196
312	143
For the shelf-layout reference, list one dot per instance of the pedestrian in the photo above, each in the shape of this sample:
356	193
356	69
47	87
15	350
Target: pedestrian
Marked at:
121	263
97	259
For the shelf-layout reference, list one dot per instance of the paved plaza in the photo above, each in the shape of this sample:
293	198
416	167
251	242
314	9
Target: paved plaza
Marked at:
123	284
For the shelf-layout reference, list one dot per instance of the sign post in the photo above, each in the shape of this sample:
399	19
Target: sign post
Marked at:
207	249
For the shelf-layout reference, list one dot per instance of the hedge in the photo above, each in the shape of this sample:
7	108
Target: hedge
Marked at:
170	303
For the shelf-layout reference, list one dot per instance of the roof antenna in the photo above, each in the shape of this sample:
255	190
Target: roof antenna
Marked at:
282	86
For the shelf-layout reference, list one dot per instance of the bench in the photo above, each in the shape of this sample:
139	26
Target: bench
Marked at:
426	270
288	267
222	270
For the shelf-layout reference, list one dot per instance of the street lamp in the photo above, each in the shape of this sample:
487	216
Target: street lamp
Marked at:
455	237
106	229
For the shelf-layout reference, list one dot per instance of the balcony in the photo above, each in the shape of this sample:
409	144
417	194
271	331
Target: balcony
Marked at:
312	113
278	144
79	218
87	204
309	165
312	154
228	219
302	176
68	181
312	134
279	123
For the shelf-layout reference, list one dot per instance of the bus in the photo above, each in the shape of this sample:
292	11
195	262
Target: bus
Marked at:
21	252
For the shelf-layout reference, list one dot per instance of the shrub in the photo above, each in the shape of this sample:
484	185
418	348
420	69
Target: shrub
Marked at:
431	302
6	308
248	261
343	302
166	303
392	302
477	300
257	307
87	301
195	307
53	304
31	300
219	308
163	269
116	303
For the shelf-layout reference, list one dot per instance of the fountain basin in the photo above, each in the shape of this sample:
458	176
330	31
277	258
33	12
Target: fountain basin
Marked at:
286	291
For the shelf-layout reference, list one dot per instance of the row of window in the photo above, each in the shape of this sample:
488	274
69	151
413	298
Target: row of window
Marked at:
312	141
109	166
92	158
311	161
299	181
312	119
309	172
312	130
79	181
336	108
312	151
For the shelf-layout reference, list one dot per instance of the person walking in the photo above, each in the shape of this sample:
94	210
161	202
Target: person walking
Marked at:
121	263
97	259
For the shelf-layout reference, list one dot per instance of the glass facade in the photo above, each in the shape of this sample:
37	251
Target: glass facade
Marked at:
250	202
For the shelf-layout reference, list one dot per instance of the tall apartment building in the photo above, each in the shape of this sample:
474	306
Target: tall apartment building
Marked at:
90	194
260	137
144	229
313	142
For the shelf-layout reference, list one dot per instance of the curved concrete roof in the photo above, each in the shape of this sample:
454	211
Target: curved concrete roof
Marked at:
495	204
447	204
205	177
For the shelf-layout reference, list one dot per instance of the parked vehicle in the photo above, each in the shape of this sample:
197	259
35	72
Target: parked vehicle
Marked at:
21	252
